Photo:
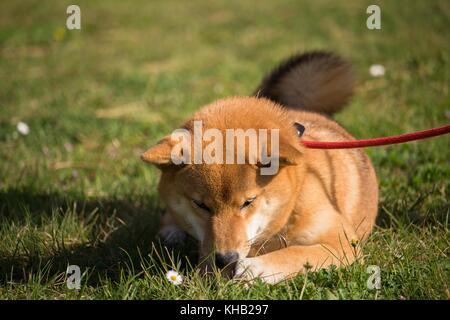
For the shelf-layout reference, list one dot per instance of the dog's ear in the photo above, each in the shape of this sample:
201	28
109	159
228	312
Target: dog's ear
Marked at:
159	154
288	155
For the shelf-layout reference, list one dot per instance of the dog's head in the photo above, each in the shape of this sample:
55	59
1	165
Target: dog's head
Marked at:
229	207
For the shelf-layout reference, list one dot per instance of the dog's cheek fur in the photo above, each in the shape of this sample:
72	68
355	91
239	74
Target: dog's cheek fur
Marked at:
179	206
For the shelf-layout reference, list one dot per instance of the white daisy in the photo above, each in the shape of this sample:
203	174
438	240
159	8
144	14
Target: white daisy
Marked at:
174	277
23	128
377	70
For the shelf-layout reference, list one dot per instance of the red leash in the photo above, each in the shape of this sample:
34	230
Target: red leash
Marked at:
377	141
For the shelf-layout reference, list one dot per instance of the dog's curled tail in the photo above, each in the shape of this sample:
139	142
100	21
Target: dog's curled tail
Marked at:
314	81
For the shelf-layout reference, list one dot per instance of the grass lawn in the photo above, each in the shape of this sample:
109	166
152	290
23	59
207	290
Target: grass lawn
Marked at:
74	190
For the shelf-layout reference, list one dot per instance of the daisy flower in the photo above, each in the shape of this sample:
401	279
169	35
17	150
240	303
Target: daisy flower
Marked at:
23	128
377	70
174	277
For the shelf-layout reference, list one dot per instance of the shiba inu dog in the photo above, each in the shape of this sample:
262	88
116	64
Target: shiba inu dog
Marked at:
310	214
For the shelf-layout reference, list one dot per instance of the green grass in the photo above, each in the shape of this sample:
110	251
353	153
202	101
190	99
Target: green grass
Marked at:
74	190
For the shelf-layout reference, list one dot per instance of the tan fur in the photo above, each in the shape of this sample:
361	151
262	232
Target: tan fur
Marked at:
307	214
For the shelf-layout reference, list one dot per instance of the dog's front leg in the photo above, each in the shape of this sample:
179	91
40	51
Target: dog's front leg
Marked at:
285	263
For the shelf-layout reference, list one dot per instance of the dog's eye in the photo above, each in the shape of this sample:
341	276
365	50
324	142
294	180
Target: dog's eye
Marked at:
201	205
247	202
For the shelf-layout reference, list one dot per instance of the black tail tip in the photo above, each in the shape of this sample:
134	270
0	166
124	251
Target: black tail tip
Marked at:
317	81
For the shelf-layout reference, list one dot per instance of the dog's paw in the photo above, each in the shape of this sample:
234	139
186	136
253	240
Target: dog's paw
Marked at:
172	236
250	269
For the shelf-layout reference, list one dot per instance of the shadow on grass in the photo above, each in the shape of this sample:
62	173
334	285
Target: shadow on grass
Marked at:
123	247
126	246
396	212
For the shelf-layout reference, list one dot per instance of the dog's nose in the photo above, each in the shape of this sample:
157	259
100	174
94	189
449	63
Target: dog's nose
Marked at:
223	260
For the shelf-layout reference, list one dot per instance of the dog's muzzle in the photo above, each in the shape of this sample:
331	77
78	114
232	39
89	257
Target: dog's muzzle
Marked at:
227	260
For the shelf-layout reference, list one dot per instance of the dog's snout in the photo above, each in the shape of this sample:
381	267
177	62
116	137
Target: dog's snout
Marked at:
223	260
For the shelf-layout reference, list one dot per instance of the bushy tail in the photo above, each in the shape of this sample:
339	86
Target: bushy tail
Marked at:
314	81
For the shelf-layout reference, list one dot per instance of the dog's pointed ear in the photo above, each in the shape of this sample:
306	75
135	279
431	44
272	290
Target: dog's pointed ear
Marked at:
287	155
159	154
290	154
